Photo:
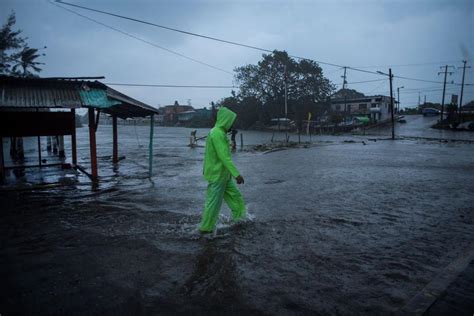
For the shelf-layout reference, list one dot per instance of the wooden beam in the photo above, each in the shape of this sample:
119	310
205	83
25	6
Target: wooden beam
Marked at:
93	149
73	137
115	140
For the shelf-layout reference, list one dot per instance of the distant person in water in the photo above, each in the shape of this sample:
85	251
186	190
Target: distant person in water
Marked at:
232	139
219	172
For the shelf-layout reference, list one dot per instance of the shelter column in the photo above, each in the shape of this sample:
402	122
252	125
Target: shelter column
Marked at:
115	142
150	148
73	137
92	143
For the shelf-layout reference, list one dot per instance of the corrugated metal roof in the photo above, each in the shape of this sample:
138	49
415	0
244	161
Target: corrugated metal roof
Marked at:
43	93
66	93
97	98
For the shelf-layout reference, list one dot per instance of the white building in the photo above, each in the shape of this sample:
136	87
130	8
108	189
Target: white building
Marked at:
377	107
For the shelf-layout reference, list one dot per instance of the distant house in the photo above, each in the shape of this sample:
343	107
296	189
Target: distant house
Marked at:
171	112
204	113
186	116
376	108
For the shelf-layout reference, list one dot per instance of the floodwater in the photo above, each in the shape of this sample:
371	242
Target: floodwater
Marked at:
347	225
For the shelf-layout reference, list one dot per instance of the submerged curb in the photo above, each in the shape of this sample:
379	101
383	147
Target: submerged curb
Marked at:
424	299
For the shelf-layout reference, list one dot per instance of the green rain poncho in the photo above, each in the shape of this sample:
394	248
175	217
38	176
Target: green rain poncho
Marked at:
219	171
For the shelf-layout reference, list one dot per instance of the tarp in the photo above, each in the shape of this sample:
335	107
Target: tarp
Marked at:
362	119
97	98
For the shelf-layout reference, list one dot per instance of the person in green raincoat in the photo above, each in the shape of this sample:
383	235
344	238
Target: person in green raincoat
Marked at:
219	171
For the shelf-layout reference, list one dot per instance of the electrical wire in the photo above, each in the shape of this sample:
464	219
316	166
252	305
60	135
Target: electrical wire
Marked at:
365	81
411	65
207	37
224	41
169	86
378	86
142	40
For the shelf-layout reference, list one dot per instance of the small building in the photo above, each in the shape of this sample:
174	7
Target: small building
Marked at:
204	113
186	116
171	112
46	107
376	108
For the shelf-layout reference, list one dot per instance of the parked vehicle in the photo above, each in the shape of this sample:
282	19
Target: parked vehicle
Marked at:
430	112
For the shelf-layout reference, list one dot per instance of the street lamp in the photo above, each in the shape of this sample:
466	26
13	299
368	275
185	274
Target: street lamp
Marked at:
398	92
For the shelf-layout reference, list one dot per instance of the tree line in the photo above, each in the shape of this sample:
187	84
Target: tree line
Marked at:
261	96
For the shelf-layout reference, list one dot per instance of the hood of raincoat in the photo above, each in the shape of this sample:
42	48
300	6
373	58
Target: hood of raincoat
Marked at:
225	118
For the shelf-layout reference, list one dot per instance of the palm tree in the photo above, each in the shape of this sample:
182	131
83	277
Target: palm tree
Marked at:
27	59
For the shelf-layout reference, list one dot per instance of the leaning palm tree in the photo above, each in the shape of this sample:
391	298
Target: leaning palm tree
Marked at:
26	60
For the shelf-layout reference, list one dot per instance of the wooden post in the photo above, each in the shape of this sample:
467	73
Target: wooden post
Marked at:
61	152
115	139
55	144
150	148
48	143
2	165
39	151
92	143
73	138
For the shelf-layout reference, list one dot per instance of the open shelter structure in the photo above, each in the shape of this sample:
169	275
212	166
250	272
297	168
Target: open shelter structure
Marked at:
47	107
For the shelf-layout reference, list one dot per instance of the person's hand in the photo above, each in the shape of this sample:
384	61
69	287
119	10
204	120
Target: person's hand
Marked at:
240	179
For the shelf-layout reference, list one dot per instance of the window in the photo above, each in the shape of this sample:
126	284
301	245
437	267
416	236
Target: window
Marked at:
363	106
338	107
373	105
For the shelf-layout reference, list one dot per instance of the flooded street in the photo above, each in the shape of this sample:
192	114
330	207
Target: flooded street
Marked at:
347	225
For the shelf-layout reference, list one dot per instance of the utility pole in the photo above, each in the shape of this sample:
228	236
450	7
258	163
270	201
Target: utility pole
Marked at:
419	99
398	92
425	100
445	72
462	85
391	102
344	87
286	107
286	95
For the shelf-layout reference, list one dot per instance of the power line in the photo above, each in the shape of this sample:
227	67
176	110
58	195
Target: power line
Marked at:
365	81
378	86
205	36
169	86
219	40
143	40
410	65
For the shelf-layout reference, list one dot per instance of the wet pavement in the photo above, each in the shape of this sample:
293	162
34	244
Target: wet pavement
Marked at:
345	226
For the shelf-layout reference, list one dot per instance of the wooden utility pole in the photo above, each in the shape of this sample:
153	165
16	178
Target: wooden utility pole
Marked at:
286	107
344	87
445	72
391	102
398	92
286	95
462	85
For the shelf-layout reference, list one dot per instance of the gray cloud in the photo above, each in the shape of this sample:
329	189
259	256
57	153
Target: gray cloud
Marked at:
352	33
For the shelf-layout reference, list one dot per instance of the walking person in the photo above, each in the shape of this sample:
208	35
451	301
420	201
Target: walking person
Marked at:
220	172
